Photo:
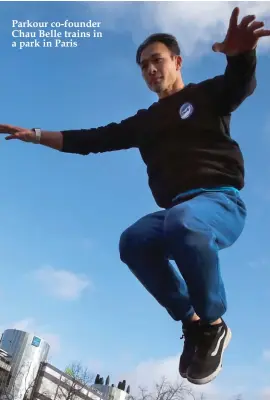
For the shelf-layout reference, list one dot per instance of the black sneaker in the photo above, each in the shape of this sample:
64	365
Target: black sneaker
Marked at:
207	362
190	335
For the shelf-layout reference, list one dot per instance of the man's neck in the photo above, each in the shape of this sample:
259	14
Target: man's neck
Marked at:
179	85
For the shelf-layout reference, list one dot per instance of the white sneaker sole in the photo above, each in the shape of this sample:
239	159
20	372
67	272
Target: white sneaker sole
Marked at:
211	377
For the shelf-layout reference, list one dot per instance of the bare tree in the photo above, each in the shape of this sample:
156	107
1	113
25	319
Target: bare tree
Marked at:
11	384
165	390
75	380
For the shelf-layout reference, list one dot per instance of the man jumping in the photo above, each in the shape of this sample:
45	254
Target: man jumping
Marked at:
196	172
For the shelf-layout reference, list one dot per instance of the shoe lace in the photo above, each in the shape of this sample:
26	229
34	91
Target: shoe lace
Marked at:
189	336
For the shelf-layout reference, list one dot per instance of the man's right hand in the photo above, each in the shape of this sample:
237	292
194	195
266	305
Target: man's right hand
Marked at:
15	132
48	138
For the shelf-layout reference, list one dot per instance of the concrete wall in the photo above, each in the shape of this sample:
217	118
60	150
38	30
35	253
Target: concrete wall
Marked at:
111	393
53	384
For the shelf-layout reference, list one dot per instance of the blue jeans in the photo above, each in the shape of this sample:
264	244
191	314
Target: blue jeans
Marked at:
190	232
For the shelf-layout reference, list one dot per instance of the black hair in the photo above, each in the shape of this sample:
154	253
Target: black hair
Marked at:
165	38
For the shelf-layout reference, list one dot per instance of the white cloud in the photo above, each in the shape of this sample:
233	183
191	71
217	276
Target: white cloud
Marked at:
150	372
197	25
265	394
260	263
266	355
96	365
24	325
62	283
235	379
30	325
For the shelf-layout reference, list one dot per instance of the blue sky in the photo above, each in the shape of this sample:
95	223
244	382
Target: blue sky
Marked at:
62	215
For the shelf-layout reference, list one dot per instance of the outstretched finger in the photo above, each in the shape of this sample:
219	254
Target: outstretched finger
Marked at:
16	135
256	25
7	128
247	20
4	128
262	32
234	18
218	47
11	137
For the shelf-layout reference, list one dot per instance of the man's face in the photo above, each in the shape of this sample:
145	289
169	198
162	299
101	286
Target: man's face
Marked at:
159	68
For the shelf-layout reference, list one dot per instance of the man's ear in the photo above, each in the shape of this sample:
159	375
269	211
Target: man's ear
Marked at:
179	62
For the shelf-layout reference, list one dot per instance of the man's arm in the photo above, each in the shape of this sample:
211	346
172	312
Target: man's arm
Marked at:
239	46
52	139
115	136
229	90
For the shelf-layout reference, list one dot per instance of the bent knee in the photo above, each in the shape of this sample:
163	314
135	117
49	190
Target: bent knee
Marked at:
140	239
131	242
125	245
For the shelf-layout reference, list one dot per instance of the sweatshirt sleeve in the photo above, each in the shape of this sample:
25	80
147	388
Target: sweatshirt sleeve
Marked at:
114	136
236	84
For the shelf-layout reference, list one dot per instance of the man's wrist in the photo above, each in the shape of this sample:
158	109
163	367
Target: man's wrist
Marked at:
37	137
243	54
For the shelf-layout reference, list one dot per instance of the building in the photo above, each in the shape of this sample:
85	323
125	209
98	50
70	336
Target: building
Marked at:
25	352
25	374
52	383
5	367
111	392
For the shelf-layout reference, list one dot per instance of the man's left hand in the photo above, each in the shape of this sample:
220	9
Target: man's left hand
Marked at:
243	37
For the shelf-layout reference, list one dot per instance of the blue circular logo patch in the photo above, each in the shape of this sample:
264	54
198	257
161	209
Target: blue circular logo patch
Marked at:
186	110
